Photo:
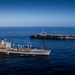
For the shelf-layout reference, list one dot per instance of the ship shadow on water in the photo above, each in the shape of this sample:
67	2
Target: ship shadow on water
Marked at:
5	55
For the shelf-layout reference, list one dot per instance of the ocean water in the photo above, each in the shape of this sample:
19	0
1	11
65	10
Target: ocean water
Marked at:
61	61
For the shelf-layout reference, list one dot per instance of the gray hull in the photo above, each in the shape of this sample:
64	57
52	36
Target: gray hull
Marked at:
53	36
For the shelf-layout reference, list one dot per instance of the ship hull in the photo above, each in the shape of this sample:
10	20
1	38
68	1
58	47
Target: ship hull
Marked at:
32	52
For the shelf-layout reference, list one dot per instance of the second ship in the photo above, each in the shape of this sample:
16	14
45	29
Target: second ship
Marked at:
44	35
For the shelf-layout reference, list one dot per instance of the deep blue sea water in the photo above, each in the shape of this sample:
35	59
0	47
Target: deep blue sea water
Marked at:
61	61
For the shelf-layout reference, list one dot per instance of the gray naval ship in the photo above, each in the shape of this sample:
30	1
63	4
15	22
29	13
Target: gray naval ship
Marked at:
44	35
6	47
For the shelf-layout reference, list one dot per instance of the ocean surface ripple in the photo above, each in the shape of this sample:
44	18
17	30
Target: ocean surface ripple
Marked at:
61	61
